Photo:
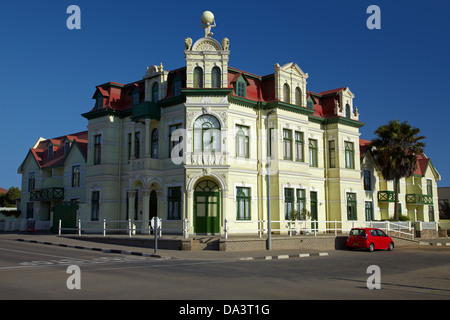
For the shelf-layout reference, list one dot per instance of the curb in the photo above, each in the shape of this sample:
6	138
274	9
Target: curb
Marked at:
424	243
117	251
287	256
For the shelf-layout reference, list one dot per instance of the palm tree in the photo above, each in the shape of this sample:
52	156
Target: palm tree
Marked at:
395	152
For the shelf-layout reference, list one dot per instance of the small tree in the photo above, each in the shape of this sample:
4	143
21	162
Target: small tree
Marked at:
395	152
9	199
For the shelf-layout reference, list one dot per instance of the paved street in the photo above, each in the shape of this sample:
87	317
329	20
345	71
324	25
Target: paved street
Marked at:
39	271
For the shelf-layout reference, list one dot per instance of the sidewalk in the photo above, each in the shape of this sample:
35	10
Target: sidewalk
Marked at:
86	244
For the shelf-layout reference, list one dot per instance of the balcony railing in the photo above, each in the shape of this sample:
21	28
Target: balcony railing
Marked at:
413	198
386	196
47	194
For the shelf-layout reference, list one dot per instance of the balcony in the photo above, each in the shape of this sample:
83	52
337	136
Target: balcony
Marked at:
146	110
47	194
386	196
414	198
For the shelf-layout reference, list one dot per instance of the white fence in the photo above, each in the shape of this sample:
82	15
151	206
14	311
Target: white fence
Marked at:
130	227
259	227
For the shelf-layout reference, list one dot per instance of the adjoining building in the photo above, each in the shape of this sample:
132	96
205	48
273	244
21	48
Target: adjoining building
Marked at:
195	143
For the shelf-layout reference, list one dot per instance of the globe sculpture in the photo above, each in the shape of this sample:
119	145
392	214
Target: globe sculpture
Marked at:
207	17
208	22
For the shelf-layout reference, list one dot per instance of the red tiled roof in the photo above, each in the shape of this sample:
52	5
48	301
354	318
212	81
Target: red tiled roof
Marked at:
3	191
259	88
40	153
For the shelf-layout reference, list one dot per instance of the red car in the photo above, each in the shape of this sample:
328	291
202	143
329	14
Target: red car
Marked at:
369	238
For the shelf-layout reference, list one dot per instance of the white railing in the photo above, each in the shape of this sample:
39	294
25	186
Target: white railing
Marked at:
313	227
129	227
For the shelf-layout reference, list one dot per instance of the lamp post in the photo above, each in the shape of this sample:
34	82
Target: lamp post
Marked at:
269	154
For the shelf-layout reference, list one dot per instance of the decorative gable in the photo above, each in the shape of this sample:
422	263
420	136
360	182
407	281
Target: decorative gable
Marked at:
290	84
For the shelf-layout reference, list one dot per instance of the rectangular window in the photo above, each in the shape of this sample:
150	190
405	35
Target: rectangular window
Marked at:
271	143
243	203
349	155
299	144
242	142
367	182
135	98
332	153
176	88
369	211
76	171
313	153
174	203
95	205
287	144
137	145
430	188
241	89
98	149
31	181
288	202
351	206
129	146
430	213
99	103
30	210
314	208
301	203
172	144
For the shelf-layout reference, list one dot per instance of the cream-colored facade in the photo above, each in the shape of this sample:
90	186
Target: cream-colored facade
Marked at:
220	117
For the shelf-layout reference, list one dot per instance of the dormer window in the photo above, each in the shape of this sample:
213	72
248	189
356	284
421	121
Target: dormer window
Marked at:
50	149
66	146
310	103
135	98
99	103
241	87
176	86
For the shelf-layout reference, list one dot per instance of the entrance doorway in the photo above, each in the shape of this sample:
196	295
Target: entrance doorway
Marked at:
206	207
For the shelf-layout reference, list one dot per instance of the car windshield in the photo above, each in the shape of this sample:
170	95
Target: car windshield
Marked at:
357	232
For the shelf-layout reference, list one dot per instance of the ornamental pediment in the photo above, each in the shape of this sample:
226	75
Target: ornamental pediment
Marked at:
206	44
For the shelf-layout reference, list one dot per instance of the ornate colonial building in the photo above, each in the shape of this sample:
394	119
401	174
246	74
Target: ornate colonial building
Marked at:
205	141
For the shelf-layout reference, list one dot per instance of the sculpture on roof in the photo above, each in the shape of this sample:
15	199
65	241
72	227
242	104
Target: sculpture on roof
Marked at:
208	22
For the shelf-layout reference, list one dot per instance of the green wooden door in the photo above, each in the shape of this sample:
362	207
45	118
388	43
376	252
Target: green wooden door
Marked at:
67	213
206	208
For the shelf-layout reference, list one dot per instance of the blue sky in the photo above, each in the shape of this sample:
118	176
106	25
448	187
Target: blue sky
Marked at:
49	73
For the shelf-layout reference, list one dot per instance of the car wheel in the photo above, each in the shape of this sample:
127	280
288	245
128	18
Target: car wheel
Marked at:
371	247
391	246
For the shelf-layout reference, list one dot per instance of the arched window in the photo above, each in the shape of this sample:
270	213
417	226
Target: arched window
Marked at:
215	77
286	95
154	144
198	77
298	96
155	92
207	137
347	111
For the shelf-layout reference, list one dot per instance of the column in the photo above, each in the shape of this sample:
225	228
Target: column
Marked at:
131	209
147	141
133	149
145	229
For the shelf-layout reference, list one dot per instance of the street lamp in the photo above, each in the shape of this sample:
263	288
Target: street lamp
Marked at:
269	219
